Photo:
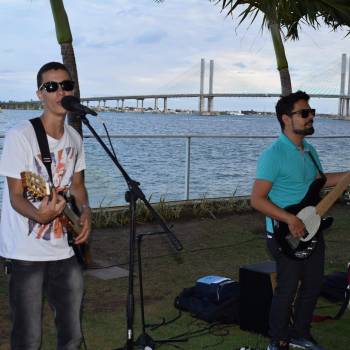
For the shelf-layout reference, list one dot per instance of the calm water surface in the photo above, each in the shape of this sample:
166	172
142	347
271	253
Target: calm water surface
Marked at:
219	166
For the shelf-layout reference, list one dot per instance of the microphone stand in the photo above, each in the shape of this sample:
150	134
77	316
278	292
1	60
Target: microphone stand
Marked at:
131	196
145	340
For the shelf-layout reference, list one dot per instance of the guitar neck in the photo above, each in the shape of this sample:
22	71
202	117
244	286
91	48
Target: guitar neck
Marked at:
74	220
325	204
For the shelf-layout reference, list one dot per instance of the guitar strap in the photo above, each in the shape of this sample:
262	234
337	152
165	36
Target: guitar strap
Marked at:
46	158
323	176
43	144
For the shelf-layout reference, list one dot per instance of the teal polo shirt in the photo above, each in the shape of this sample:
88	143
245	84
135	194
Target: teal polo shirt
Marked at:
290	170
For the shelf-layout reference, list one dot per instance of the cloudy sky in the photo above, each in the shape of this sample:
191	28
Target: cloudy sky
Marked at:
137	47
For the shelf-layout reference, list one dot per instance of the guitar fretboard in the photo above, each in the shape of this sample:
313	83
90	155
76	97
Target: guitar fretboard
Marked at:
331	197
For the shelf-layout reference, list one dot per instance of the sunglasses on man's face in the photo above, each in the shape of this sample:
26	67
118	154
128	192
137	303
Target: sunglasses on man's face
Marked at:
52	86
305	112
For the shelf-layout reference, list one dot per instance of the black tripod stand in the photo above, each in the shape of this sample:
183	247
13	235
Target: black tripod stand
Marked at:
131	196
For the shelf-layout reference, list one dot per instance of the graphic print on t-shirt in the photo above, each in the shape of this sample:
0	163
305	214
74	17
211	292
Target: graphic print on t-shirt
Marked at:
61	160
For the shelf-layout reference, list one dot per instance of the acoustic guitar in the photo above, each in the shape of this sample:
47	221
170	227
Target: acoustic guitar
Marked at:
36	188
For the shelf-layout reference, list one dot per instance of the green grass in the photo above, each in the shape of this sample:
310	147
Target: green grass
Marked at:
211	246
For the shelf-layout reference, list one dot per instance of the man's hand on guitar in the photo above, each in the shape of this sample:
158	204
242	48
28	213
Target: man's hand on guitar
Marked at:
49	209
296	226
85	221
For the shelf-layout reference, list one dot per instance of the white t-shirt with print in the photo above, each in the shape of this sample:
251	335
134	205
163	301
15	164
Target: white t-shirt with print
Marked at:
22	238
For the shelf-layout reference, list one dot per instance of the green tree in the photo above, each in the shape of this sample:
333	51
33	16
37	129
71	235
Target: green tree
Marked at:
283	19
64	38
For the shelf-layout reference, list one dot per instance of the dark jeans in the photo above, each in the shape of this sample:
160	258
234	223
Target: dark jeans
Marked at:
289	272
62	282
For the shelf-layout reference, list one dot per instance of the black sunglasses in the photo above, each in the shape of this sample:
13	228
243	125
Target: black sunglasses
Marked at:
305	112
52	86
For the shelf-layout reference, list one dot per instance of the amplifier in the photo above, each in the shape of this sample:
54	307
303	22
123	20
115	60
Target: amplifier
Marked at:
257	282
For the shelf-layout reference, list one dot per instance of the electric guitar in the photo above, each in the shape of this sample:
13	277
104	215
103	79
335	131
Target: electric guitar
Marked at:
310	211
36	188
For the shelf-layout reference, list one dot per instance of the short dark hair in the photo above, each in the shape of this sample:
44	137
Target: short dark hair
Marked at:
50	66
286	103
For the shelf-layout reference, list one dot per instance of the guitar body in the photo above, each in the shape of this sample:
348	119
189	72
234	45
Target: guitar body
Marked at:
36	188
294	248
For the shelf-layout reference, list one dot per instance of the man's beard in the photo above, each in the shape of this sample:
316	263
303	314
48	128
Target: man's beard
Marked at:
304	132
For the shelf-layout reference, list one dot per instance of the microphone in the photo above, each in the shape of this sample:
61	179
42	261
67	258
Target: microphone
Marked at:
72	104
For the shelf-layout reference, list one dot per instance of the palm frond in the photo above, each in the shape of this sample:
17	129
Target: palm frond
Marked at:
290	15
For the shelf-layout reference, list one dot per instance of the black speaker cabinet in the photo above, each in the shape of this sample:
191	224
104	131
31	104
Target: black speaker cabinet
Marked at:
257	282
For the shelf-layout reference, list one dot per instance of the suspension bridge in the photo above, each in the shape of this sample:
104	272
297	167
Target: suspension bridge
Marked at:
326	89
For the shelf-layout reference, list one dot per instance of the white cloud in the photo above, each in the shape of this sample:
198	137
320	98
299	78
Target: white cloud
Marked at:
127	47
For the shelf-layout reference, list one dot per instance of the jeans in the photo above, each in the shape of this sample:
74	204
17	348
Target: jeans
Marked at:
308	276
62	283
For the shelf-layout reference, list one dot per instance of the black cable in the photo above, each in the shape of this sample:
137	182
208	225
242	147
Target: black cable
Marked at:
187	250
215	344
81	324
344	306
191	334
103	267
197	333
153	327
174	345
221	335
208	330
84	343
109	139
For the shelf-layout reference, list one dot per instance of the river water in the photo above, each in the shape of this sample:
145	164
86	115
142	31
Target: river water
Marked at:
220	167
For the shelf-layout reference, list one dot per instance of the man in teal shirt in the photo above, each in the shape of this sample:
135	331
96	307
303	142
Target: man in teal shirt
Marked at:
285	171
290	169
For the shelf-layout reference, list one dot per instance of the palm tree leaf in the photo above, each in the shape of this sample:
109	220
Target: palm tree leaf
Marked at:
333	13
292	14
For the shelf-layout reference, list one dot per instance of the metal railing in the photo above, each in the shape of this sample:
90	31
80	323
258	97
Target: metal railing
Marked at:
189	137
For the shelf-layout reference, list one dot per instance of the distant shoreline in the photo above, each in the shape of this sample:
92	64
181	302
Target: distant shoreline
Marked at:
187	111
250	112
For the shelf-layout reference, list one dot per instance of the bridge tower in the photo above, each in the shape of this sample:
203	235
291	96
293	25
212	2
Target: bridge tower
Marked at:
347	111
344	99
211	82
342	84
201	87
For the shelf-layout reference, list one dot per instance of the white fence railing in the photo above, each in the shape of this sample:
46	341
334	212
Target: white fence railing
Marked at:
190	137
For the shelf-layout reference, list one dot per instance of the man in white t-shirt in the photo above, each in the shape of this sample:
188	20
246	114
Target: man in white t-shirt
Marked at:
33	237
